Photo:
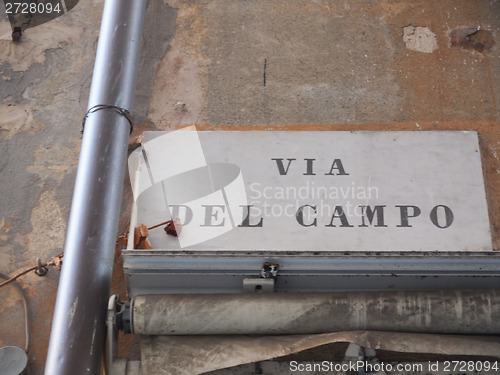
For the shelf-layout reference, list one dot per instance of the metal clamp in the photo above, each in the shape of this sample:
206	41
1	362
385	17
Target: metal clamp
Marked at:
264	284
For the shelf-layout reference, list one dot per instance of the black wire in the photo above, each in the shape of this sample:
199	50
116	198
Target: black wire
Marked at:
25	304
98	107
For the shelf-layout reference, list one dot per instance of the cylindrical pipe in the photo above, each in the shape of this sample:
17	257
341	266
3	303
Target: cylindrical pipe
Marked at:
438	311
78	328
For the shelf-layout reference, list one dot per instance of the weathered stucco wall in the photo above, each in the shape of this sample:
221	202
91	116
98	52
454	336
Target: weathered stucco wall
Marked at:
253	65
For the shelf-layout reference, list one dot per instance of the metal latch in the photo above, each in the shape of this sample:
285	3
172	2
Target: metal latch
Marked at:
265	283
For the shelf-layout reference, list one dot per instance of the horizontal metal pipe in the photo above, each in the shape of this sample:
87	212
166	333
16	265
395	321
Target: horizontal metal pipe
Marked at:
78	328
439	311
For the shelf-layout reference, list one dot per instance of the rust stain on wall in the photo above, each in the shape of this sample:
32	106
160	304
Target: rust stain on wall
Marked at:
180	78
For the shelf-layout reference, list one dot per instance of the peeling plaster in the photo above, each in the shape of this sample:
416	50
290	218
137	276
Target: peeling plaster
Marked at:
55	161
49	227
34	43
18	118
419	39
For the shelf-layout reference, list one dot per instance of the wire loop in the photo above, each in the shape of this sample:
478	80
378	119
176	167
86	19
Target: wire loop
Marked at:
121	111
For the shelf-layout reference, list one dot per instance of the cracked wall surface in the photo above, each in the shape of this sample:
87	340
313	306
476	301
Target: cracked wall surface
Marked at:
225	64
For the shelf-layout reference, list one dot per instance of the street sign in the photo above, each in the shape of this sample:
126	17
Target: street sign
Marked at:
314	191
308	212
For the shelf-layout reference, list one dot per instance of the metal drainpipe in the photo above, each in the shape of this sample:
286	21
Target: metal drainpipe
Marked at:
78	328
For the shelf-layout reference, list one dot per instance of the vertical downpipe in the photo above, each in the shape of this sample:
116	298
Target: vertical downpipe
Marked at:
78	329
